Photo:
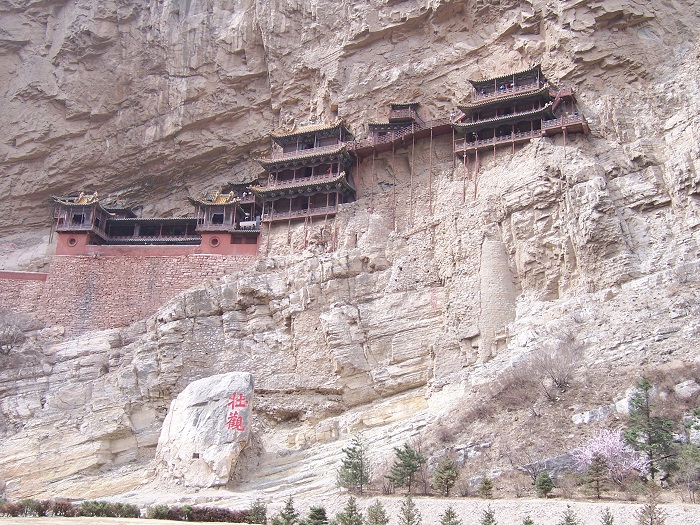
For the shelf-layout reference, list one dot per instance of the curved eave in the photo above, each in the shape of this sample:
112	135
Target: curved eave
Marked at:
533	69
340	181
305	130
500	99
200	202
504	119
303	158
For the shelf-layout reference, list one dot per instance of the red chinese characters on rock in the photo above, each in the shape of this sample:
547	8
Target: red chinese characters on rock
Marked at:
234	420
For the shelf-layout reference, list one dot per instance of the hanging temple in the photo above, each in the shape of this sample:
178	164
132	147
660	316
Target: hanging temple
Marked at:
309	172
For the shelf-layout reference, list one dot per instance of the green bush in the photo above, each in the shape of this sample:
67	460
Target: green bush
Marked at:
543	484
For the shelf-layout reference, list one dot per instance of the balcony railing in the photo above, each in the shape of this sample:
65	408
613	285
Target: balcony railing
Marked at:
476	96
271	183
293	214
564	120
394	136
464	145
153	239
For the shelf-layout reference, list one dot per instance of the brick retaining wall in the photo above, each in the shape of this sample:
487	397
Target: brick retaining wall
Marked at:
91	293
21	291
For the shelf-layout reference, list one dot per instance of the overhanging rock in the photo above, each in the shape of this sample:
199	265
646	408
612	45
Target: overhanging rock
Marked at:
207	427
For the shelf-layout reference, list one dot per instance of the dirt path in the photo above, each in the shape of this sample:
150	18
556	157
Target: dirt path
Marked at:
508	512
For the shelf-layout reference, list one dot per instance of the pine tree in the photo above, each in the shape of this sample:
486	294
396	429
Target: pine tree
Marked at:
350	514
651	435
651	514
376	515
528	521
317	516
353	472
607	518
597	474
445	475
258	512
569	517
485	488
407	463
288	515
409	513
449	517
488	517
544	484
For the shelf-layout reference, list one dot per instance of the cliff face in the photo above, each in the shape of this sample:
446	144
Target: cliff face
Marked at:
597	236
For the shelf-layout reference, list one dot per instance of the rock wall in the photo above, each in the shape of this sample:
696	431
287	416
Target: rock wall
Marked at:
376	320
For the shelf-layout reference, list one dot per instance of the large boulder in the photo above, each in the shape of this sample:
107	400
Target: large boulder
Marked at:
207	427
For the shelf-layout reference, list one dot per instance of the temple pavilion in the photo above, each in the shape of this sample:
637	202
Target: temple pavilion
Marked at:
307	173
515	108
220	220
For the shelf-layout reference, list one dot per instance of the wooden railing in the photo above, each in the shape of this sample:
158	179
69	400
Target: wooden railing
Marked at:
476	96
293	214
463	145
563	121
154	238
406	113
271	183
394	136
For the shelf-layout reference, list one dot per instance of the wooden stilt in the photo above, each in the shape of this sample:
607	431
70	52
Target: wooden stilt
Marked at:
430	173
564	130
476	171
393	185
374	178
410	195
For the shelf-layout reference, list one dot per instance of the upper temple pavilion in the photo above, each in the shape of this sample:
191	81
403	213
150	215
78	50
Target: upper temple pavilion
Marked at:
514	108
308	173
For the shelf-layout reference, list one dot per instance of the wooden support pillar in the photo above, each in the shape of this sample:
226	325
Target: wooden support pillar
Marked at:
430	171
393	185
564	131
476	170
374	178
410	196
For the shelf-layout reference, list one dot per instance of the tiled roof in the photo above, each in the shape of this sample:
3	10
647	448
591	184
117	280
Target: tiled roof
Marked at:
305	154
303	183
465	126
506	76
499	99
216	199
82	199
400	105
301	130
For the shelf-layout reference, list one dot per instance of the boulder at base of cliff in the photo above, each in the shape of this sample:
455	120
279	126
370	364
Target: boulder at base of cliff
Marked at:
206	428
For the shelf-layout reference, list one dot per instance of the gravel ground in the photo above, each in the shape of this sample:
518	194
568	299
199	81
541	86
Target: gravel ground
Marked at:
508	512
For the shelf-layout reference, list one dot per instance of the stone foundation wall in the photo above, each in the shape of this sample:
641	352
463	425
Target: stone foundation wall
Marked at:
88	292
21	291
95	293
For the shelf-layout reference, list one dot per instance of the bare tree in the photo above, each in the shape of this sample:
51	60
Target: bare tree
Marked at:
11	334
556	363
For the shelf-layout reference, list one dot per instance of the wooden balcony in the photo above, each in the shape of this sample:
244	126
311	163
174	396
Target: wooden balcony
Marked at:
300	181
273	216
464	146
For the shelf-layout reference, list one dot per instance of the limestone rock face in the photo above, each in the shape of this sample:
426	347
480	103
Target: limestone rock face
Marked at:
207	427
436	280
